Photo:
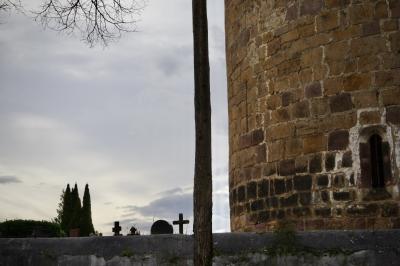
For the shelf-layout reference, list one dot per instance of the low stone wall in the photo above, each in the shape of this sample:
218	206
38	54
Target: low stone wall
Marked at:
313	248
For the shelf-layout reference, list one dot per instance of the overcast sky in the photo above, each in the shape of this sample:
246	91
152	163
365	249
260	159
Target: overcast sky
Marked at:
119	118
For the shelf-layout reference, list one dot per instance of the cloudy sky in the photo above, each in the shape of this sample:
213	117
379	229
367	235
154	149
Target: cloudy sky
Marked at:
120	118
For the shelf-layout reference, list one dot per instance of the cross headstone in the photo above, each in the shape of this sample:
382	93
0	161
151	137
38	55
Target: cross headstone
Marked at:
116	229
181	222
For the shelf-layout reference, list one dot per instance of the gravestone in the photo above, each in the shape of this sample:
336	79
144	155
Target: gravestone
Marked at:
161	227
133	232
181	222
116	229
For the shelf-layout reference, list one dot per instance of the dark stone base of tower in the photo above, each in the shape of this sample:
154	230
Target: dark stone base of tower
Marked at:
314	113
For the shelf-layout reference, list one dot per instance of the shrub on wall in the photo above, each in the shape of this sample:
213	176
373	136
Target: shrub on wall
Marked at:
30	228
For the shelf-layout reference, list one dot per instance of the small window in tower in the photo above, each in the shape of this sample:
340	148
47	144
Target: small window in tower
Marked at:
376	161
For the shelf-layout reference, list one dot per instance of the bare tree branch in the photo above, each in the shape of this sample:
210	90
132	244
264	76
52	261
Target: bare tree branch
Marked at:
9	4
98	21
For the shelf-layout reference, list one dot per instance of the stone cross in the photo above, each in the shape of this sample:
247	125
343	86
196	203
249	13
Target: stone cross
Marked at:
116	229
181	222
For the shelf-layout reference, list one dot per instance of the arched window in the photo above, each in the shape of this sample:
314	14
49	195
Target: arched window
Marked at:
376	161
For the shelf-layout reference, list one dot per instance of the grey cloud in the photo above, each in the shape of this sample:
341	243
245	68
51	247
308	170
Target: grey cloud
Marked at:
8	179
166	207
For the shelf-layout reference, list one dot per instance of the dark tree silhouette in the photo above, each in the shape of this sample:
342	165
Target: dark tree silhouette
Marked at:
86	224
67	212
76	208
99	21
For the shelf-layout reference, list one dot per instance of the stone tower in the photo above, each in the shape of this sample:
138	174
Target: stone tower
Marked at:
314	113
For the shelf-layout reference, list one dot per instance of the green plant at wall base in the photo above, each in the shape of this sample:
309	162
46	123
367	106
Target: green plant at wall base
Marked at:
286	242
127	253
48	254
173	260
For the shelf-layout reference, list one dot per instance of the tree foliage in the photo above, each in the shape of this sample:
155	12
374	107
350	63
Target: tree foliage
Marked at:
70	213
86	225
30	228
76	208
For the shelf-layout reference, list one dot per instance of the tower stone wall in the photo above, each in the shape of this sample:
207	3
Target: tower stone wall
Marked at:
314	113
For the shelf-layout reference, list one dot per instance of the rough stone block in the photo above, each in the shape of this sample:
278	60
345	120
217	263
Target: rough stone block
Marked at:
361	13
323	212
338	140
305	198
251	190
363	210
314	143
257	205
370	117
302	183
357	82
338	181
294	147
310	7
311	57
393	115
322	181
261	153
241	194
263	216
269	169
371	28
325	196
301	211
390	96
387	78
292	11
340	103
342	196
287	98
390	25
315	163
290	201
319	106
373	44
301	164
313	90
381	10
394	6
333	86
279	186
263	188
365	99
300	109
330	161
328	21
347	160
390	210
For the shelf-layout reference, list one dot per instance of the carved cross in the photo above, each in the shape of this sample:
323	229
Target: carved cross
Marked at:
116	229
181	222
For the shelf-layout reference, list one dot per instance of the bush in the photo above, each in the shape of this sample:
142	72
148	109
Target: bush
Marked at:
30	228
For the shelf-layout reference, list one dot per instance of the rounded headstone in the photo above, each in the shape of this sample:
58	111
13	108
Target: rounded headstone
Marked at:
161	227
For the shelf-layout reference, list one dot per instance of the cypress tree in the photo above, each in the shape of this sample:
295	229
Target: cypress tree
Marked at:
66	210
76	208
86	214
